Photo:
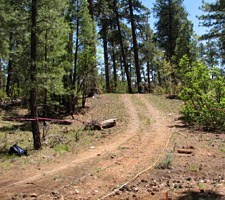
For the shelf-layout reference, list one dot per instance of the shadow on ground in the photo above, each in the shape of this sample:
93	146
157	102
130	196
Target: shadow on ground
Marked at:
203	195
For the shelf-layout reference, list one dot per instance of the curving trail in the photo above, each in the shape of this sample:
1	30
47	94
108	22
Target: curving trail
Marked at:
93	174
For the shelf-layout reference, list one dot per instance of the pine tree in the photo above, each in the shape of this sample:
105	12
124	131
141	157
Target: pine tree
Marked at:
86	65
171	15
214	19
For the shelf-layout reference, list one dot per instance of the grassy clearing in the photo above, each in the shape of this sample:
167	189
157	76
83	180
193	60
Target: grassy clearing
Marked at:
144	116
164	104
60	139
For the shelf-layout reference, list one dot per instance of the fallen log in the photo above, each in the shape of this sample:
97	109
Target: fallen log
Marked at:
108	123
185	151
92	125
95	125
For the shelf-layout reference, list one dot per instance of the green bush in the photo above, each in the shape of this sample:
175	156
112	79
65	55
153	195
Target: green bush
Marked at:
3	95
204	95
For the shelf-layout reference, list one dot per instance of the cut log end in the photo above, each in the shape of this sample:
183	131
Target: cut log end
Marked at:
108	123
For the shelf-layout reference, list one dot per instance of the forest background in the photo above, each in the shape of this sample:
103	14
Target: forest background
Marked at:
49	55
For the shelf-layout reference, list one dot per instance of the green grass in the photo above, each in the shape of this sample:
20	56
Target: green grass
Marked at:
61	148
166	163
222	147
194	167
165	105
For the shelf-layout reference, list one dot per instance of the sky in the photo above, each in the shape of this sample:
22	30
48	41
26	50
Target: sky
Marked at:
192	8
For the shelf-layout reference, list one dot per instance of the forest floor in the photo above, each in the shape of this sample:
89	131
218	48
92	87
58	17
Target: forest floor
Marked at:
149	154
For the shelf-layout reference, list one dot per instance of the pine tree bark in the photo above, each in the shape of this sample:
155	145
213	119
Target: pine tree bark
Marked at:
91	8
33	76
106	59
135	46
76	53
114	67
122	49
10	68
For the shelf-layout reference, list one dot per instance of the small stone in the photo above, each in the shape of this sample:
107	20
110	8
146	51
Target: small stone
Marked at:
55	193
189	179
149	190
155	189
33	195
77	191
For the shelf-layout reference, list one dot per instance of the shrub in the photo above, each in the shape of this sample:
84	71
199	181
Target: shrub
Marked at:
204	95
166	163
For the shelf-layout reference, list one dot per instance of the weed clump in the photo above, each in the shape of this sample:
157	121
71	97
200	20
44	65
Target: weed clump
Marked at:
166	163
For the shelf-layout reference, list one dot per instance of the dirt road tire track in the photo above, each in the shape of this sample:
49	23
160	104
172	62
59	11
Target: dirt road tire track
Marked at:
136	149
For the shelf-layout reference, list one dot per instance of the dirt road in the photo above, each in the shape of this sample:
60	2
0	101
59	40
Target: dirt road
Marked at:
98	171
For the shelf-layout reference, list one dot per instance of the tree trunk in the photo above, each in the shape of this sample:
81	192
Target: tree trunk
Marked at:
106	59
76	53
135	46
91	8
1	84
114	67
122	49
33	76
94	70
10	68
148	76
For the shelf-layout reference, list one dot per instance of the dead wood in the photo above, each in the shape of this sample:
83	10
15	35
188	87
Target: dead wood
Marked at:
185	151
108	123
92	125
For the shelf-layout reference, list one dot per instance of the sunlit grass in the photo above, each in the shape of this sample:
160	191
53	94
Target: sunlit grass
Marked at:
164	104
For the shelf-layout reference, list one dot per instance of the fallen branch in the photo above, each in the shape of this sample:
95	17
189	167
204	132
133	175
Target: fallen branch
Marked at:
218	109
184	151
181	134
40	119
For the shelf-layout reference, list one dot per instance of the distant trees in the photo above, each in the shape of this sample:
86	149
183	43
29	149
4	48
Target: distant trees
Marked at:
174	34
214	20
49	50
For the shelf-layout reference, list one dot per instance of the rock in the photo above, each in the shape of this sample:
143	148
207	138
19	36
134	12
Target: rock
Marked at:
77	191
55	193
155	189
33	195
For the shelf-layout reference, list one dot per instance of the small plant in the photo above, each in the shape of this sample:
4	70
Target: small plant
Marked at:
222	148
61	148
201	186
148	121
166	163
194	167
